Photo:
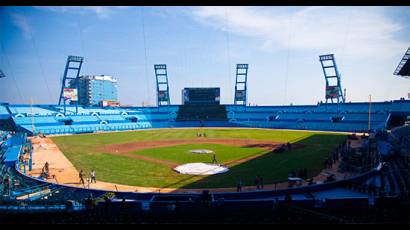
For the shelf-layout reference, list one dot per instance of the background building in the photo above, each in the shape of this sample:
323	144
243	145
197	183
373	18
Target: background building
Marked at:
96	88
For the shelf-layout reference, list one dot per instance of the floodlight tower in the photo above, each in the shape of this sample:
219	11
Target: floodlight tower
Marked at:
241	84
403	69
161	75
71	72
332	77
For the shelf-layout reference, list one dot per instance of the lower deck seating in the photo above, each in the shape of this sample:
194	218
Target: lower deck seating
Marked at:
325	126
348	117
87	128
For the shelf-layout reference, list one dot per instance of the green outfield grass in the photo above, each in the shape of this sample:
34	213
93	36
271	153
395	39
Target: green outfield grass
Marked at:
81	151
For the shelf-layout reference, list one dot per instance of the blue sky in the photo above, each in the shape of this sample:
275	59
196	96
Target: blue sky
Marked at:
201	46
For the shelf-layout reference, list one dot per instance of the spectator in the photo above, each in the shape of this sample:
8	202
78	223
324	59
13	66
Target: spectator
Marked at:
123	203
107	202
257	182
239	186
6	182
289	146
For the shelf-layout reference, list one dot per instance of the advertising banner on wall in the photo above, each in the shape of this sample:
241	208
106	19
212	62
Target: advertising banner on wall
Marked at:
70	94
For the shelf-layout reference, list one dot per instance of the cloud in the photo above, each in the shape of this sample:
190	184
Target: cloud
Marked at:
102	12
22	23
355	31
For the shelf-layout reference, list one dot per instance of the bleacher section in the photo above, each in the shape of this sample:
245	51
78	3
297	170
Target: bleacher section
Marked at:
53	121
392	180
11	147
345	117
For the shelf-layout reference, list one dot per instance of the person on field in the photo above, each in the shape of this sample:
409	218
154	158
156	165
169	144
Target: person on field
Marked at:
81	175
92	176
214	161
44	171
46	167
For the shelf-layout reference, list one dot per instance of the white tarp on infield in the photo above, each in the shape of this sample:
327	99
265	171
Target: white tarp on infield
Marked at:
201	151
200	169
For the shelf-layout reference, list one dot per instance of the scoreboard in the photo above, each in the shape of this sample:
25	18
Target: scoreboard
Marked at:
332	92
201	96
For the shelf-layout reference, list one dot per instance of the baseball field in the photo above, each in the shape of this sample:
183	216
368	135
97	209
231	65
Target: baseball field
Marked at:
147	158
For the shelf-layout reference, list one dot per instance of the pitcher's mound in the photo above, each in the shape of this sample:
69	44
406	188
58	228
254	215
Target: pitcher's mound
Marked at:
200	169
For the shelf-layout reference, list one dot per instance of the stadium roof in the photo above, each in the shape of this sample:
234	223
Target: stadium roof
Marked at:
403	69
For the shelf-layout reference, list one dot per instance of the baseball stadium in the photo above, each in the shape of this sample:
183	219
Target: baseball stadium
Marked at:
204	161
